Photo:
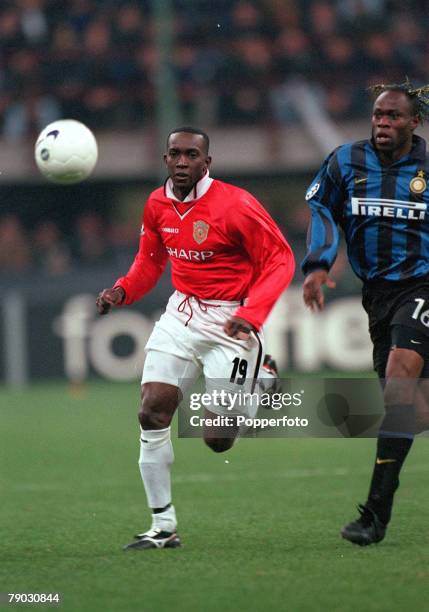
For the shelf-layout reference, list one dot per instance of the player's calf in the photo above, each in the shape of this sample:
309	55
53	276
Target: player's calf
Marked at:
219	445
422	406
219	437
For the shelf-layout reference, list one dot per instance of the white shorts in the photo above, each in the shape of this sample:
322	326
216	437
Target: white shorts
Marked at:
189	340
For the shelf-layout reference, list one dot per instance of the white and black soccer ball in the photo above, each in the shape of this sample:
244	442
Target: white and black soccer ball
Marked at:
66	151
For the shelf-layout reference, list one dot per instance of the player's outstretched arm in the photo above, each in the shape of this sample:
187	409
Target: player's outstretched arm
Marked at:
108	298
312	289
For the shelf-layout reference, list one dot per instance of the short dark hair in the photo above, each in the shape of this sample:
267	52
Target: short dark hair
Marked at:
418	96
191	130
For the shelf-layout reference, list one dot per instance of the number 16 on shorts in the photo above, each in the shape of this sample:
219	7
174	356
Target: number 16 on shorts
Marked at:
419	314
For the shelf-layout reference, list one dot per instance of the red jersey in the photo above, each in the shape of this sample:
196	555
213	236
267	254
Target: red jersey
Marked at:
222	245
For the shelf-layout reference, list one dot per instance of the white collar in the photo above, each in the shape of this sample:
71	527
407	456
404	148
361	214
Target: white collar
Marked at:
197	191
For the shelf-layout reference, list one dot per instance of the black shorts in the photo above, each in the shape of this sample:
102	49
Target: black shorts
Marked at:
398	315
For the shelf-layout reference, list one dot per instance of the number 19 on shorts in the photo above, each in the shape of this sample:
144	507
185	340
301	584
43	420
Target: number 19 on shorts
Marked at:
239	366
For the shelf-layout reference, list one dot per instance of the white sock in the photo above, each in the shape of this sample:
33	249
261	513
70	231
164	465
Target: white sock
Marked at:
156	456
166	521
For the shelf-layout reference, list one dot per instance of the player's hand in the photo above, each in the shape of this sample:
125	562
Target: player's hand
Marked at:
238	328
312	289
108	298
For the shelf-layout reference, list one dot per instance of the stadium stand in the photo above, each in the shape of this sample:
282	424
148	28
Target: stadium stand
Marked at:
95	60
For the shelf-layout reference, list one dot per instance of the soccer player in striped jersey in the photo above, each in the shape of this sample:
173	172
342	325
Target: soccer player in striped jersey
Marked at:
376	190
229	263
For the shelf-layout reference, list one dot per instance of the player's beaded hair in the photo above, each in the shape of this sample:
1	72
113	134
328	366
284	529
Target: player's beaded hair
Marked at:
191	130
418	96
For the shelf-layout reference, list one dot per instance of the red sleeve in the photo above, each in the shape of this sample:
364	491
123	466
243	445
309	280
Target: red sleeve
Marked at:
271	257
148	264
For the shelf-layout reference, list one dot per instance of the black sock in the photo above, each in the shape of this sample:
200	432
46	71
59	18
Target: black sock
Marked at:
394	441
159	510
391	454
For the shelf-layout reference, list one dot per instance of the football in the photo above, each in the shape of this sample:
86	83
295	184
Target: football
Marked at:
66	151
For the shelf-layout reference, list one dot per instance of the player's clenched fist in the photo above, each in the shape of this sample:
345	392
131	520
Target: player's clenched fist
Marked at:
108	298
312	289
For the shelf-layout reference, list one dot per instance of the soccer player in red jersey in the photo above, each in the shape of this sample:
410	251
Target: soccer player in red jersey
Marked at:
229	263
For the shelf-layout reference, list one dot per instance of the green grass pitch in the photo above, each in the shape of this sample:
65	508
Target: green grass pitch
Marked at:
260	532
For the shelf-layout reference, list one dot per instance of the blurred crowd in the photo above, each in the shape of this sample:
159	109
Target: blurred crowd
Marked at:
46	251
92	239
49	251
233	60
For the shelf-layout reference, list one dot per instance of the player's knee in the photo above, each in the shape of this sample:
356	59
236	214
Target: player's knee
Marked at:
404	363
156	409
153	420
152	416
219	445
402	372
399	368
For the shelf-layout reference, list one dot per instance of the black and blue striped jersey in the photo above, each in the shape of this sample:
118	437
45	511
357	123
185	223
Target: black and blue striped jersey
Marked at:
383	211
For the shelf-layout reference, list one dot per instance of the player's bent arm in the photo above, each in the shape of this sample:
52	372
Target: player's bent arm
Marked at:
265	292
271	257
142	276
325	197
322	239
148	264
275	266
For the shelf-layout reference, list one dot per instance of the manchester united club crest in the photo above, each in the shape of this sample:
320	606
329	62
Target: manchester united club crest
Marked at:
201	229
418	183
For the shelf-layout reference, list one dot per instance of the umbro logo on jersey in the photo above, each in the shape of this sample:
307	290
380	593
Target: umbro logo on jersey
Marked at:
397	209
170	230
